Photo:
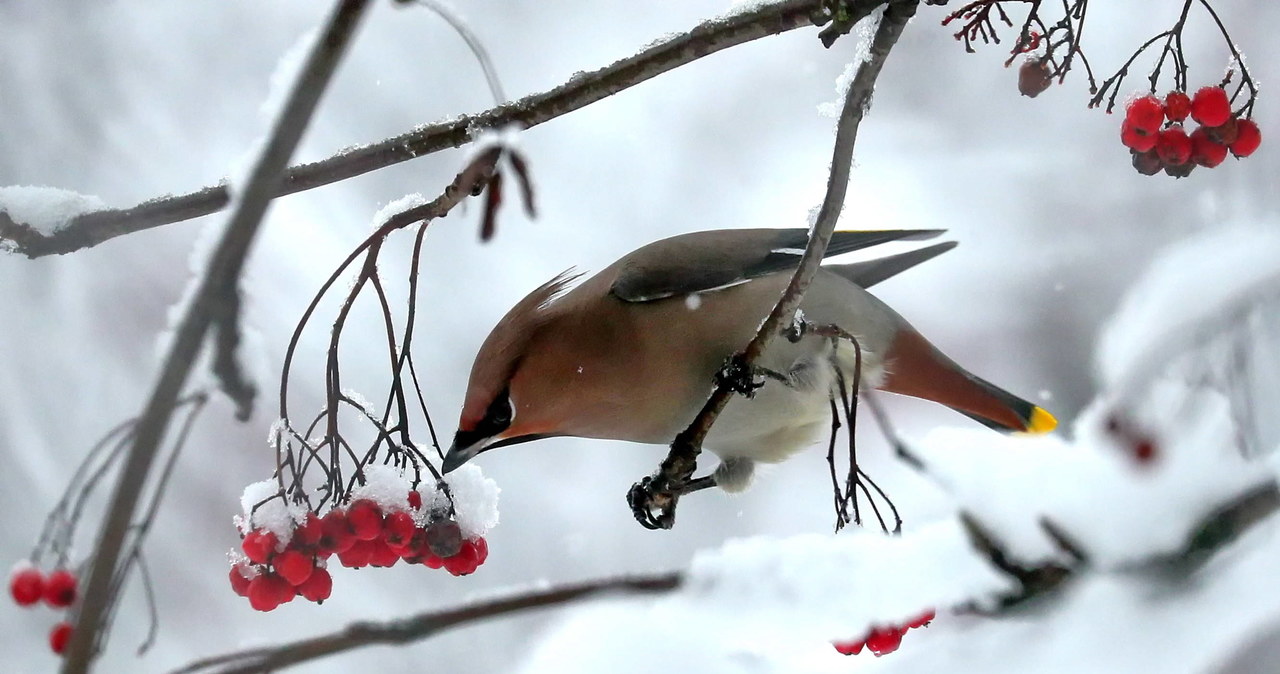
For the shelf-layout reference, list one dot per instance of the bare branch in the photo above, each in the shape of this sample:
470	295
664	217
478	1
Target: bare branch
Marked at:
421	626
220	278
661	491
91	229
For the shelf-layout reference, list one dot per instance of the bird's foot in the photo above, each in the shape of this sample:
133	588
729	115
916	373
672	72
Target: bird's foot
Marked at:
653	502
653	499
735	375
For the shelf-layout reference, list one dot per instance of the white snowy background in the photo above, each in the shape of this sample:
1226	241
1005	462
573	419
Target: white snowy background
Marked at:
129	100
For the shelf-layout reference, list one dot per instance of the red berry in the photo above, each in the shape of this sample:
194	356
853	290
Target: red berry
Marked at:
413	549
432	561
318	586
1173	146
357	556
1145	114
398	528
336	535
383	555
1205	151
259	545
1248	138
366	519
60	589
1144	451
239	582
26	585
268	590
1177	105
415	500
1135	138
923	619
848	647
465	562
482	550
884	640
294	567
1210	106
59	637
308	534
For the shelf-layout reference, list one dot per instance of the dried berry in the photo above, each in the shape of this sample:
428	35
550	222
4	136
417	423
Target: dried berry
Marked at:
1034	77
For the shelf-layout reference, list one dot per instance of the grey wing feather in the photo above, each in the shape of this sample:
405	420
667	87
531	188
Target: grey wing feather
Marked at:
704	261
870	272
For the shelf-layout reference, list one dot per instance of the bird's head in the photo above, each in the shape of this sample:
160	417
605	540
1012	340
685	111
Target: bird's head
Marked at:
502	405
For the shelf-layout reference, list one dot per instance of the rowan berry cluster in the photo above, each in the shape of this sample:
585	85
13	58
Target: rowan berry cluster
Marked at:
1154	133
884	640
28	585
272	571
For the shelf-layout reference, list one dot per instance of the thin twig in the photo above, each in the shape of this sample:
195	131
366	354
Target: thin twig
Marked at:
91	229
221	275
662	490
421	626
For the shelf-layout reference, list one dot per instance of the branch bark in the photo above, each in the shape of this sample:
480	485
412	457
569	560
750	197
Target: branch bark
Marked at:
662	491
91	229
217	289
421	626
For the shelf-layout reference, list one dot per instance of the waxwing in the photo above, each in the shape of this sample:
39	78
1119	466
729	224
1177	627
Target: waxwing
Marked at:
631	353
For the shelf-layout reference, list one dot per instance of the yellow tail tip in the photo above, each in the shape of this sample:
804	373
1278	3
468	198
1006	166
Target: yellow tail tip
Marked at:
1041	421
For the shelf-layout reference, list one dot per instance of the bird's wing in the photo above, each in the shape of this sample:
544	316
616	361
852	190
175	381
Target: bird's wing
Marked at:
870	272
703	261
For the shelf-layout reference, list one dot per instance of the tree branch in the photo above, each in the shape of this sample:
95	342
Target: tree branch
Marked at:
220	279
663	490
421	626
91	229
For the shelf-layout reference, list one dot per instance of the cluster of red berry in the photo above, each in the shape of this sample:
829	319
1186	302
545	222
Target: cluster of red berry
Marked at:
884	640
361	534
28	585
1153	132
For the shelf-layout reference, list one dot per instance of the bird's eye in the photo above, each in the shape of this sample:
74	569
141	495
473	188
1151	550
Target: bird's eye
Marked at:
498	417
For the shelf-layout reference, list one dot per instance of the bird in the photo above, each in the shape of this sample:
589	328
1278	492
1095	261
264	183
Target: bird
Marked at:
632	352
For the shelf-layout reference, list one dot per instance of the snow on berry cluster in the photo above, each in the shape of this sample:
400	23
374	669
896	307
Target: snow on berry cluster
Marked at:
28	585
286	548
1153	131
884	640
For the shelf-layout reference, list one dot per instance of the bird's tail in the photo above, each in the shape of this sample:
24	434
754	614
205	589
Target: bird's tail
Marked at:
916	368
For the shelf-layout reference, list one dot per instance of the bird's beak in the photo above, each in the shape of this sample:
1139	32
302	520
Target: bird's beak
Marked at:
460	454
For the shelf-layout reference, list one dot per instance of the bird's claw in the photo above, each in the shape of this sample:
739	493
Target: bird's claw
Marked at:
739	377
653	502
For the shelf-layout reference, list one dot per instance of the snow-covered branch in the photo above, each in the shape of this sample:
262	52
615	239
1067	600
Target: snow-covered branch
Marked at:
220	279
653	499
421	626
87	229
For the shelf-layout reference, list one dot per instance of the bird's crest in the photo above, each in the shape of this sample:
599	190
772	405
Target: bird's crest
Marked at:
502	351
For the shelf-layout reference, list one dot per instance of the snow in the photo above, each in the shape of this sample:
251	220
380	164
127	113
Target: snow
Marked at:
46	209
385	485
475	500
398	206
286	71
1188	293
275	515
